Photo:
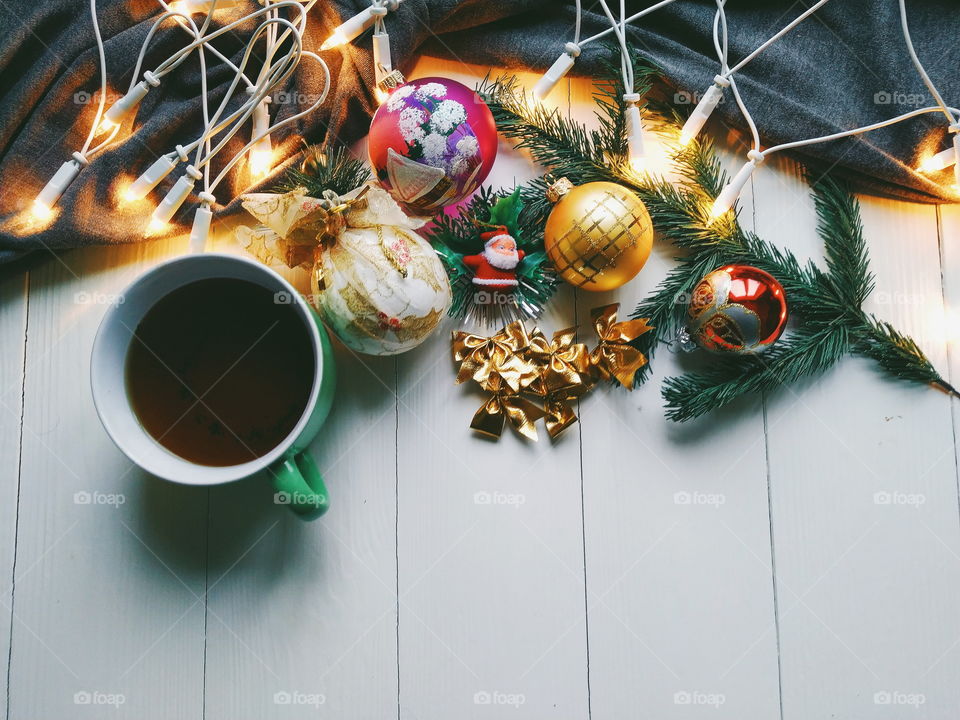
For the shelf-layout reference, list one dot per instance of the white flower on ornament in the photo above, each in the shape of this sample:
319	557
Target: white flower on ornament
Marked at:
434	146
409	124
398	96
431	90
459	165
468	146
448	115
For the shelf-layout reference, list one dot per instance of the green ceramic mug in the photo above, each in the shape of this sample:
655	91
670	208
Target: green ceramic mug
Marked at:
296	479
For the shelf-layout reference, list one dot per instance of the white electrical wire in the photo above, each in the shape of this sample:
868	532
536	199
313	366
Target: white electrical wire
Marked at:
86	150
282	123
790	26
635	16
938	98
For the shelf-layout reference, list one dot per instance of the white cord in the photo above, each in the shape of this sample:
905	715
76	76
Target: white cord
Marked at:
101	104
790	26
635	16
293	118
938	98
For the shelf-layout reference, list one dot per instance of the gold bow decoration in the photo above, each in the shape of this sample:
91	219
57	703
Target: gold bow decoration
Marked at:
555	372
506	404
502	354
614	357
562	362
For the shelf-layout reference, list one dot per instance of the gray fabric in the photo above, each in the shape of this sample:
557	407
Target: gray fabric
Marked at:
833	72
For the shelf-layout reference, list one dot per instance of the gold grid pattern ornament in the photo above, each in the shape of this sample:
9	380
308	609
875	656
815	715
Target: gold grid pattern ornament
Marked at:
598	236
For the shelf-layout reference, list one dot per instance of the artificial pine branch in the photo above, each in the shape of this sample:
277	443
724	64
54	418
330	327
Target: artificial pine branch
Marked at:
331	168
826	303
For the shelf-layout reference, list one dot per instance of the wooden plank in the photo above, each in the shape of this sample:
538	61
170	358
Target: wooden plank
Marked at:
491	586
110	562
304	618
863	491
13	329
677	538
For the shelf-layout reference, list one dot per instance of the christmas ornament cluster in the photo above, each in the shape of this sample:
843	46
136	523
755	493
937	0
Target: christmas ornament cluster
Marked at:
529	376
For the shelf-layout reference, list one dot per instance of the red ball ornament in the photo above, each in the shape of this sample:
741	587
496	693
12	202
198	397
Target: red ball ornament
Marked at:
737	309
432	142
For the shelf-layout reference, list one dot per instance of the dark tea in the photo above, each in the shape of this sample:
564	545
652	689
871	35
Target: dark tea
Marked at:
219	372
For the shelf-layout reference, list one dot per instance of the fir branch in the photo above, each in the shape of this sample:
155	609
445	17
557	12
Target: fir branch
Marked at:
898	354
331	168
840	227
801	354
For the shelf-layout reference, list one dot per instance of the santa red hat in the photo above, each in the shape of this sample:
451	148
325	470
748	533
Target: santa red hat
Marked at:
498	233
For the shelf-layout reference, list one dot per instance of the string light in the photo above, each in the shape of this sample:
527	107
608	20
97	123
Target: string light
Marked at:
714	94
160	219
728	196
261	154
363	20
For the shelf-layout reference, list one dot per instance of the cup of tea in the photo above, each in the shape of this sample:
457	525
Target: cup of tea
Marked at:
211	368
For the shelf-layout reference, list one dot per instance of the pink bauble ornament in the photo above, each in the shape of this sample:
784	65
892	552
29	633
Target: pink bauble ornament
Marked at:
431	144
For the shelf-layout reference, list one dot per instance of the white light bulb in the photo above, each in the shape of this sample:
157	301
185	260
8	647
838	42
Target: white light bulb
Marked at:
554	75
701	113
43	204
351	28
200	229
636	155
117	112
940	161
261	154
174	199
728	196
161	167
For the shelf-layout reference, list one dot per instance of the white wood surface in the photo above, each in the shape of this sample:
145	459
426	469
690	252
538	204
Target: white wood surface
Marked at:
741	566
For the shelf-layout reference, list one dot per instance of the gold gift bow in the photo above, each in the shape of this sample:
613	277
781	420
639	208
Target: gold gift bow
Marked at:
614	357
563	363
483	358
505	404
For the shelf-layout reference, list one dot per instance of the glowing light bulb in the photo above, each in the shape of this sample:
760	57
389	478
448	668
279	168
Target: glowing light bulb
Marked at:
728	196
156	227
40	211
335	40
353	27
105	126
940	161
704	109
261	162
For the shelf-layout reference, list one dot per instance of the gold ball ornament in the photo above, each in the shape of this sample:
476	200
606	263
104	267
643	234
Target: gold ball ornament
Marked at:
599	234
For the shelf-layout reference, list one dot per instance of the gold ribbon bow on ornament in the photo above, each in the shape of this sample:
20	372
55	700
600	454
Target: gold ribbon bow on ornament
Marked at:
614	357
506	404
483	358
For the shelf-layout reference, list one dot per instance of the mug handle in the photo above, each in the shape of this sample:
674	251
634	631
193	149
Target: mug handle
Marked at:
299	485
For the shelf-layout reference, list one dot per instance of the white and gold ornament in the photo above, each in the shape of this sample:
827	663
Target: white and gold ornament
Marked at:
379	286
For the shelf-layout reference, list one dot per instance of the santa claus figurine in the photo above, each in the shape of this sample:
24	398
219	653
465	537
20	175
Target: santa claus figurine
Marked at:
496	267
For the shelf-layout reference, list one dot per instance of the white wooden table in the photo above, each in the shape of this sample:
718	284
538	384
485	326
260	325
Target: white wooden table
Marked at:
796	556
